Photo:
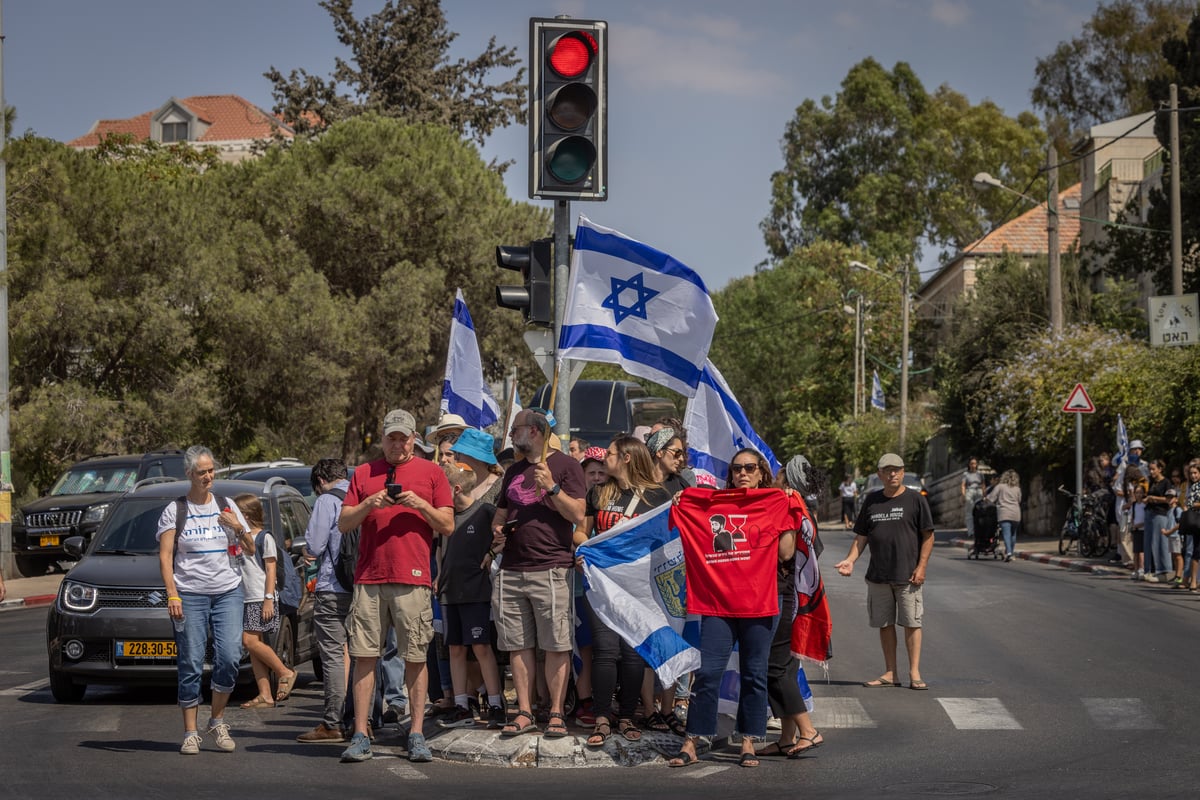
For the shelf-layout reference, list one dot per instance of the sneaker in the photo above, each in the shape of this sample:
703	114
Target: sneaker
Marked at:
458	718
681	710
322	733
585	715
496	718
1137	575
1176	581
473	706
359	749
418	748
393	714
220	732
774	724
191	744
1150	578
1007	558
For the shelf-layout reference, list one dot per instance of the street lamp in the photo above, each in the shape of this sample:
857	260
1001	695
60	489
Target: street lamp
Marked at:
904	305
860	366
983	180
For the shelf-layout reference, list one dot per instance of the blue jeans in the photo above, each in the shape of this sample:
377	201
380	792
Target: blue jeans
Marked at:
717	637
1008	529
1158	547
223	612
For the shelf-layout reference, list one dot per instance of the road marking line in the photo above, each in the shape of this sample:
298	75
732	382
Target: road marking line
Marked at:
1120	713
703	772
408	772
841	712
18	691
978	714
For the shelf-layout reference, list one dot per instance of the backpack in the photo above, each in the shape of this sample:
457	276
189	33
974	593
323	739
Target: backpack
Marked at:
287	582
347	554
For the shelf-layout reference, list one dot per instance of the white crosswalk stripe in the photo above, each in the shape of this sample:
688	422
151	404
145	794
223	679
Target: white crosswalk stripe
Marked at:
978	714
702	772
407	772
1120	714
841	712
19	691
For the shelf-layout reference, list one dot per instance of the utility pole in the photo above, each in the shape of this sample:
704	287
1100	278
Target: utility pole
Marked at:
1176	224
904	303
562	280
1052	255
6	486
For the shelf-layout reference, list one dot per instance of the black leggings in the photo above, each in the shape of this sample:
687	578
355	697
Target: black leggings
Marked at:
616	667
783	692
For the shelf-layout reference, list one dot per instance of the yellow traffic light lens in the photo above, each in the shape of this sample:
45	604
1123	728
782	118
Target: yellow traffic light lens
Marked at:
570	160
571	106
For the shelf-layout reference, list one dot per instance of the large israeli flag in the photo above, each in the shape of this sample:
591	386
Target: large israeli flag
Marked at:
635	582
717	427
632	305
464	391
1122	444
877	392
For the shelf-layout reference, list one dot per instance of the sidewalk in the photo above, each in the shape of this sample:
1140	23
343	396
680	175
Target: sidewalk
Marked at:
1045	551
25	592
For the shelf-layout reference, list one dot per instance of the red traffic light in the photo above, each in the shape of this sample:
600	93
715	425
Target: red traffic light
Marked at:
571	54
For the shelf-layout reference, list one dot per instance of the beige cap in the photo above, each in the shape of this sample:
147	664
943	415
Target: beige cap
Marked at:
890	460
399	420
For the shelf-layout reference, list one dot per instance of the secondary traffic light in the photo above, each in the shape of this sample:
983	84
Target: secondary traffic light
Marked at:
568	109
535	263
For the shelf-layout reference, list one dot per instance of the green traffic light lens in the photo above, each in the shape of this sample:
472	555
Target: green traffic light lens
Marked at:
572	106
571	159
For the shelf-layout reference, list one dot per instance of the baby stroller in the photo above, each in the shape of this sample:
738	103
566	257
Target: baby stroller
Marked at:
986	526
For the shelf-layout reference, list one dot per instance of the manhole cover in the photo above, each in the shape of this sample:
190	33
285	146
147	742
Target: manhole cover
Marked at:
941	788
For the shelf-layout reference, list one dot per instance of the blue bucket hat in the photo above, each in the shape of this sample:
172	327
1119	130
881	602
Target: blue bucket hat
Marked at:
476	444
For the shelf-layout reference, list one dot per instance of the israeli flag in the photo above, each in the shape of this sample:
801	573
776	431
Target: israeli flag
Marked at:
1122	444
876	391
464	391
717	427
635	582
638	307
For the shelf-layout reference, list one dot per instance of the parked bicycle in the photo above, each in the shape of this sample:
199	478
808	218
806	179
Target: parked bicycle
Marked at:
1086	525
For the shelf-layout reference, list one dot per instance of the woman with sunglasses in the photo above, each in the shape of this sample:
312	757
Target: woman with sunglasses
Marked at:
631	489
743	622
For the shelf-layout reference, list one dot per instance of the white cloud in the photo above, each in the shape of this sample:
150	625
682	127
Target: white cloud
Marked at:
949	13
713	54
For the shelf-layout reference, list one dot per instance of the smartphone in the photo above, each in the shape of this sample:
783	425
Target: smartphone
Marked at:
509	528
394	490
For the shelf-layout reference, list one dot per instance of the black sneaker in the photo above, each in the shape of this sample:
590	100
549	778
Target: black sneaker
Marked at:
392	715
496	718
473	706
459	717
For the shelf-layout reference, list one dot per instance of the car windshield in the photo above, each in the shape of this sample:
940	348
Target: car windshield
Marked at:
131	526
82	480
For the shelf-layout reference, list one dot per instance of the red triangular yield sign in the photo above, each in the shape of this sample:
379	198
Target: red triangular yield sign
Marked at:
1079	402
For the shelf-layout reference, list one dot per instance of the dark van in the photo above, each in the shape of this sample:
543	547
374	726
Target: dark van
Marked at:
602	409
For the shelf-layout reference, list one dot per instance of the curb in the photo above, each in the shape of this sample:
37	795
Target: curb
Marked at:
28	602
1072	564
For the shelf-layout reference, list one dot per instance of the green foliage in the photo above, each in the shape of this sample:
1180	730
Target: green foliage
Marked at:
882	166
400	69
153	160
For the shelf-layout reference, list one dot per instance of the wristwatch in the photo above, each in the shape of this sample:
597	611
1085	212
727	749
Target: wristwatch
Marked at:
268	597
553	490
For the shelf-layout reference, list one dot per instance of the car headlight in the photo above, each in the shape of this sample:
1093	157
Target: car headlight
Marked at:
78	596
18	518
96	513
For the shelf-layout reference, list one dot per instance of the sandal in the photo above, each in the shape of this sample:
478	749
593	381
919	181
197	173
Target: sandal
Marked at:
600	733
683	759
748	760
675	724
285	687
556	728
515	728
627	728
656	722
259	702
814	741
774	749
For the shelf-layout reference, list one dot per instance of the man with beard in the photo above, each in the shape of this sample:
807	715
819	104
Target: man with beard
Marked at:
541	501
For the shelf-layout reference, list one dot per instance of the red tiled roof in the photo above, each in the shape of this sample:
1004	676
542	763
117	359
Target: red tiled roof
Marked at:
229	117
1027	233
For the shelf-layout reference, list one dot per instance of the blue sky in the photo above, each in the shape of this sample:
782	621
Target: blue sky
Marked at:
700	91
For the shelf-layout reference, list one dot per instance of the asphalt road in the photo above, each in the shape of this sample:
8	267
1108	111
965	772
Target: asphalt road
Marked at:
1043	683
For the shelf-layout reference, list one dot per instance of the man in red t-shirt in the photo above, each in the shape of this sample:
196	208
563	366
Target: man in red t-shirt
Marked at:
400	502
541	501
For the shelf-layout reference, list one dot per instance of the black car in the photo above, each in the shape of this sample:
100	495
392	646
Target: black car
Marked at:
298	477
78	503
109	623
911	481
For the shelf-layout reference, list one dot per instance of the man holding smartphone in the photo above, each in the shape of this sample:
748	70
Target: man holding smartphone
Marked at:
541	501
400	502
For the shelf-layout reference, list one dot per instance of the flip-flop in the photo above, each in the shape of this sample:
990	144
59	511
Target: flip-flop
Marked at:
285	687
813	744
258	702
773	750
919	686
684	758
879	683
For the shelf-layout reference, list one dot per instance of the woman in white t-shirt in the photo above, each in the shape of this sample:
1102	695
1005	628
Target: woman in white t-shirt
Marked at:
849	493
261	615
200	560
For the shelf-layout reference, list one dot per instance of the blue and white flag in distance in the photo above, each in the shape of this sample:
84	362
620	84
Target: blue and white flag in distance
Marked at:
635	582
876	391
1122	443
633	305
464	391
717	427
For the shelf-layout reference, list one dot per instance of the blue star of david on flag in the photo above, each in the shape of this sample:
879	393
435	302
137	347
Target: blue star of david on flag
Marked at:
638	309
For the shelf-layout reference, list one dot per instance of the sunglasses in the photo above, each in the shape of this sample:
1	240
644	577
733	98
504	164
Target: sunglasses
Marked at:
674	451
737	468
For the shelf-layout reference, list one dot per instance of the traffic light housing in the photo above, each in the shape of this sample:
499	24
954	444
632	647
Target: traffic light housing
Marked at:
535	299
568	109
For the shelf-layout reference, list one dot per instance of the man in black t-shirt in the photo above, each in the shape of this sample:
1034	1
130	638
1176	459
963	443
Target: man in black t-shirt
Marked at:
897	525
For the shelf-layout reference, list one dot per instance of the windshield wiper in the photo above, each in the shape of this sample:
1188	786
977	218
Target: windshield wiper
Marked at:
121	552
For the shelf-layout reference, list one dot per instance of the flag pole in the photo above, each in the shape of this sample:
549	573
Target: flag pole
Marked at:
553	392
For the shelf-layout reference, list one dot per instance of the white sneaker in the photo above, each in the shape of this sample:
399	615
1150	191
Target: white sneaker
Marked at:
220	732
774	724
1151	578
1137	575
191	744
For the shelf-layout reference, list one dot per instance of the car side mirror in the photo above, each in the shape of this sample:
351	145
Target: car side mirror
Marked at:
74	546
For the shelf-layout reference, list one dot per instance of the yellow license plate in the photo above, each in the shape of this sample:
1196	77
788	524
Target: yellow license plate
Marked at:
49	541
145	649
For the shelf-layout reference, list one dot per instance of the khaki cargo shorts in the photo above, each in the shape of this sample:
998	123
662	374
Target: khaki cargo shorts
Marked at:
376	606
533	609
894	604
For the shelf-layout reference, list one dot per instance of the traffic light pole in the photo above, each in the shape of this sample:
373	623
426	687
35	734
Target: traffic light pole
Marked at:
562	281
